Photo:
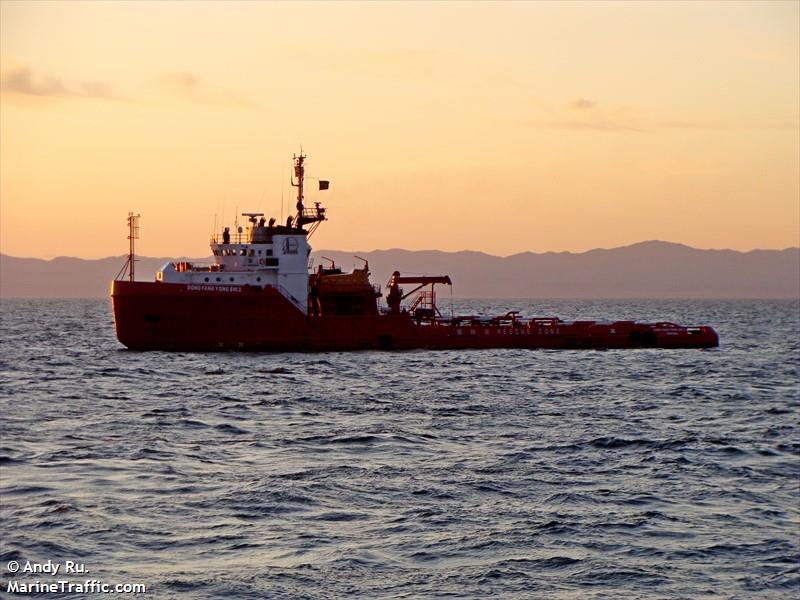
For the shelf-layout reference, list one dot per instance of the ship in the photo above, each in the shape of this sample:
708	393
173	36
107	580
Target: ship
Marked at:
261	293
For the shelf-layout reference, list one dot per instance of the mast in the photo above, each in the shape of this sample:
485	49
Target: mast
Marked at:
133	234
299	172
314	215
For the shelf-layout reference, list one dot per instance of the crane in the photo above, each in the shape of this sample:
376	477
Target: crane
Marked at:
427	298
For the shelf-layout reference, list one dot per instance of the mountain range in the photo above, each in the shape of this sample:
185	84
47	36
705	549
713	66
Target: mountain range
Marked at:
644	270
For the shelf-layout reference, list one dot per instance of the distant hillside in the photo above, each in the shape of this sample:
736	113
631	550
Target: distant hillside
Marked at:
643	270
65	277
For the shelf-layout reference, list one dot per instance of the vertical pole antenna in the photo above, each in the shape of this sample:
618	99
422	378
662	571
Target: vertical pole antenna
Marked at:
133	234
299	172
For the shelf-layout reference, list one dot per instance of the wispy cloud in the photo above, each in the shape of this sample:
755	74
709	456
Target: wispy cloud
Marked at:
582	104
585	114
189	87
589	115
184	86
24	81
767	124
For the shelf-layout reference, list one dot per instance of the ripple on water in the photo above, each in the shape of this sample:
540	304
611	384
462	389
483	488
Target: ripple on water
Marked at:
499	473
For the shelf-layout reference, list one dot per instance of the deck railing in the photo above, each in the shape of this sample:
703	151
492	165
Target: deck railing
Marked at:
236	238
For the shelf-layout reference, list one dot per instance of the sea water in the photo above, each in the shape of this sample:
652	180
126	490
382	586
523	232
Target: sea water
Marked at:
487	473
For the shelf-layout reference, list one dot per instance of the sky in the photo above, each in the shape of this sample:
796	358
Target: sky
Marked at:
496	127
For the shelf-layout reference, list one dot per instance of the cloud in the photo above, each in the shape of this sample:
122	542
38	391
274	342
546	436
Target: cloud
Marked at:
185	86
764	124
587	115
185	83
584	114
189	87
24	81
582	104
97	89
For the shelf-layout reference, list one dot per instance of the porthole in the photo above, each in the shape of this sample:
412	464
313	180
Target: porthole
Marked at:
231	278
217	278
206	279
258	278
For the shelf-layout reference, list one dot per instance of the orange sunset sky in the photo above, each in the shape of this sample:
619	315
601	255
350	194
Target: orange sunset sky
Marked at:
499	127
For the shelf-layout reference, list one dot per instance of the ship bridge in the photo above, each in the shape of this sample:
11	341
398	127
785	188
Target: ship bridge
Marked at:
264	253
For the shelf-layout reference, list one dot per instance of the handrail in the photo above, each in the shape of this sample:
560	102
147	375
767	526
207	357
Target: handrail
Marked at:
246	235
217	239
185	266
182	266
425	298
204	263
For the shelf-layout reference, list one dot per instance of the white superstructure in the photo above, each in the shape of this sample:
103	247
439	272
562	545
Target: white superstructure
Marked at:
265	255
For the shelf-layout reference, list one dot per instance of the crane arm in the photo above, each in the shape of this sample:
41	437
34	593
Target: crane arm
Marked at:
395	295
424	280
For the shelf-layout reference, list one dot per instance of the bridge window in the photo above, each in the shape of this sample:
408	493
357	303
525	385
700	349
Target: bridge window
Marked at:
290	246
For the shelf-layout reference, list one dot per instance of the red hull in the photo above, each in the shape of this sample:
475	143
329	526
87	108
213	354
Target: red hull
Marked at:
160	316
